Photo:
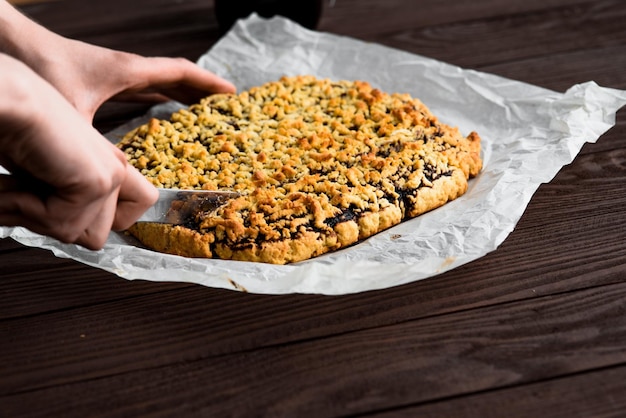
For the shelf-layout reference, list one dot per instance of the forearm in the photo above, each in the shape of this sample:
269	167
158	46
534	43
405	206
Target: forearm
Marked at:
24	39
17	82
89	186
88	75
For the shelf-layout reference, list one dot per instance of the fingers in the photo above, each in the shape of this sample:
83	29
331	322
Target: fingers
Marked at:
204	80
185	73
134	78
173	78
135	197
96	231
66	185
86	225
85	222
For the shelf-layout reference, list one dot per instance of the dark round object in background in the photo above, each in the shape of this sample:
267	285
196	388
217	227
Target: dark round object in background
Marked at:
305	12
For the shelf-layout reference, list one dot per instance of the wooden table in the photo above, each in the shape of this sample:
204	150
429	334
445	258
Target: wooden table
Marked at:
536	328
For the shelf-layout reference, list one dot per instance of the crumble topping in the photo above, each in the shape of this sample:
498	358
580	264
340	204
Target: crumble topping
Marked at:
320	164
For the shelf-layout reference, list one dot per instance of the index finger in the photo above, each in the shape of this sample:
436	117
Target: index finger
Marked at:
177	78
136	195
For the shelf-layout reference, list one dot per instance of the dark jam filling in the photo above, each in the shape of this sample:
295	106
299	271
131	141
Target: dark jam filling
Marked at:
430	173
249	243
234	124
192	224
348	214
386	150
403	198
221	111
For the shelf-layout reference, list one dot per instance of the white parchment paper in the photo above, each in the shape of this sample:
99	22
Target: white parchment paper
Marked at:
528	134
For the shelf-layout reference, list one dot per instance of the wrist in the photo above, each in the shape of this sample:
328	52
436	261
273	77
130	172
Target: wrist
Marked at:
22	38
14	85
20	88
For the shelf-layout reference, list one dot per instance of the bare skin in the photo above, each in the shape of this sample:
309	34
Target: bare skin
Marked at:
89	75
75	187
67	181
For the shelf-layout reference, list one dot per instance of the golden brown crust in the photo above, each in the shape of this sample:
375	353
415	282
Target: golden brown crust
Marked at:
173	239
319	164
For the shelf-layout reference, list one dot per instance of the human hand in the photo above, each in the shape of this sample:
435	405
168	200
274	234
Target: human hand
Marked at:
89	186
89	75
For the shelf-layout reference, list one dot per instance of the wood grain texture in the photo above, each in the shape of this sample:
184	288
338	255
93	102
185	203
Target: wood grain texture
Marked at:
537	327
35	282
407	363
552	31
375	18
594	394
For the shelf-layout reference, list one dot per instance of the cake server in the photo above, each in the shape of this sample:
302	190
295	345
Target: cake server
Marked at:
178	207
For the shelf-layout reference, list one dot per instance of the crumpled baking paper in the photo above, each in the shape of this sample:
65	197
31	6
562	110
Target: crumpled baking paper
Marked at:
528	133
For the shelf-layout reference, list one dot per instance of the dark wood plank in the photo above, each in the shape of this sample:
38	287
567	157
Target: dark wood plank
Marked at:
34	281
553	47
371	18
115	22
561	71
535	328
537	259
404	364
570	27
512	40
192	323
598	394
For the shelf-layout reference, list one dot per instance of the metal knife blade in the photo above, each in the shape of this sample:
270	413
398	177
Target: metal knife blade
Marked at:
178	207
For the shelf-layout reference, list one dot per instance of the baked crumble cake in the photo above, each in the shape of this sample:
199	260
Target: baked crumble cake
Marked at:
320	165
